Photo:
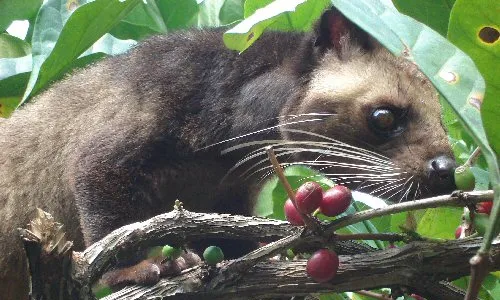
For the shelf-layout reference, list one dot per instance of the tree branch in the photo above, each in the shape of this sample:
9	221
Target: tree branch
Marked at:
458	199
419	265
408	266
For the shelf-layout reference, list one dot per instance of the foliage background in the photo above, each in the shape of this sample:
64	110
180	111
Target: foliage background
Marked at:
64	35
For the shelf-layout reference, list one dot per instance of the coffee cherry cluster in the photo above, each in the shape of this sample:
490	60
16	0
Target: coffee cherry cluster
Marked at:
310	197
324	263
480	220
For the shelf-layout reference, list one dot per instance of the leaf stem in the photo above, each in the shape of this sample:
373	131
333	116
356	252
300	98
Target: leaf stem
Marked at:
369	227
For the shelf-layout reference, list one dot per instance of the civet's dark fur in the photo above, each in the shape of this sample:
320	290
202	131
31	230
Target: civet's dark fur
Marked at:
119	141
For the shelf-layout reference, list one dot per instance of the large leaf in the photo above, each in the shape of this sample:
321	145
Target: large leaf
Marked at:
60	37
11	10
469	20
178	14
440	222
11	91
144	20
475	30
433	13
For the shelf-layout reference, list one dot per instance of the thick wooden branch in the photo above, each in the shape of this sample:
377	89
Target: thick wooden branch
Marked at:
176	227
408	266
420	265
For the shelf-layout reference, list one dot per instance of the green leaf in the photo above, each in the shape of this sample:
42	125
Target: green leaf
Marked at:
178	14
231	11
440	222
246	32
490	288
14	74
12	47
399	219
301	19
468	20
144	20
214	13
57	42
467	27
11	10
433	13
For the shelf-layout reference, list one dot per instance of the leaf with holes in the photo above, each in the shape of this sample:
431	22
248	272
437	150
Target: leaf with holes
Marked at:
475	29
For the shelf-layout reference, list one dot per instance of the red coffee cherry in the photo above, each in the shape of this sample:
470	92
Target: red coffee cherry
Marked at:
458	232
308	197
484	207
322	265
335	201
291	214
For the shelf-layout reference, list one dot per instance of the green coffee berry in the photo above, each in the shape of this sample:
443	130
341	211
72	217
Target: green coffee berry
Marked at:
464	178
213	255
171	252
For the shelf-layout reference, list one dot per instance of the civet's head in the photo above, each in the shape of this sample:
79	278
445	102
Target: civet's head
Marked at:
375	119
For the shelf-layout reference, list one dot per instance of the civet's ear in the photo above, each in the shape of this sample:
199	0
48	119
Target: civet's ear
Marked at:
335	31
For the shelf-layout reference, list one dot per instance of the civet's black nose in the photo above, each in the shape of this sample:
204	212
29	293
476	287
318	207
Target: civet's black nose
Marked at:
441	174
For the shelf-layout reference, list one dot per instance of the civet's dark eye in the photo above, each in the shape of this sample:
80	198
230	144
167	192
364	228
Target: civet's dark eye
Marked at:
388	121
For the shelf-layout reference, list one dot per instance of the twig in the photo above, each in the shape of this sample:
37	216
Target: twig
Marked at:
234	270
479	266
308	220
473	157
373	295
390	237
456	199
